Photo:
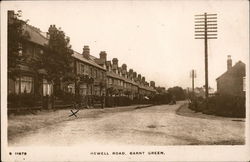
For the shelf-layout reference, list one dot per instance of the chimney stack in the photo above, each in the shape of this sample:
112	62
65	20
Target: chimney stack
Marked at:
124	70
124	67
152	84
115	61
115	65
134	75
143	79
139	77
229	62
103	56
86	52
130	71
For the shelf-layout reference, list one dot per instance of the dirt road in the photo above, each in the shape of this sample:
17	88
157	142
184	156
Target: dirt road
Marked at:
156	125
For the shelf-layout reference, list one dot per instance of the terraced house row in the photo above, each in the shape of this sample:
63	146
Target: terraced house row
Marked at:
95	77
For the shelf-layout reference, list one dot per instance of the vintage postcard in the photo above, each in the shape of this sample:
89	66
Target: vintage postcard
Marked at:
125	80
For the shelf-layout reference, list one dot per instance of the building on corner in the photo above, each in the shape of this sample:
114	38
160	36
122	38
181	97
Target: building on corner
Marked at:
232	81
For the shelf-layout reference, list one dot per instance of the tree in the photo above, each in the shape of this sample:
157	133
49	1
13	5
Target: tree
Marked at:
57	60
15	38
178	92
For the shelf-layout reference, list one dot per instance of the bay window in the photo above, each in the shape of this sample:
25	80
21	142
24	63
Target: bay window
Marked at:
24	84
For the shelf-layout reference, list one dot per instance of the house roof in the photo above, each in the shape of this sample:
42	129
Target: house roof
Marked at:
99	62
231	69
34	35
148	88
92	57
113	75
88	61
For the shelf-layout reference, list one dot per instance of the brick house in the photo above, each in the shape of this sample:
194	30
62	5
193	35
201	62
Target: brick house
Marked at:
29	80
231	82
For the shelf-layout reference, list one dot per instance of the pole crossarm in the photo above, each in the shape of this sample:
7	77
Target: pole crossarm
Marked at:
208	25
200	31
204	21
207	28
205	14
204	37
203	18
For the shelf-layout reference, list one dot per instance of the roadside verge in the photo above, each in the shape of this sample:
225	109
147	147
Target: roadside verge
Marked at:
184	110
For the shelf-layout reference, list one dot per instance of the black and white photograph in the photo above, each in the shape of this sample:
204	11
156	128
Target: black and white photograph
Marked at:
125	80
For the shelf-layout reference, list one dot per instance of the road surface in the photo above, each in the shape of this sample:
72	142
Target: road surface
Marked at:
156	125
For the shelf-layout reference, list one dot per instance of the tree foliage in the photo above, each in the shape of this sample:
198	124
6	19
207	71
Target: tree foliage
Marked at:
57	60
177	92
15	37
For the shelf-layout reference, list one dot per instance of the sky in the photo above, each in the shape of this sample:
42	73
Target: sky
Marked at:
154	38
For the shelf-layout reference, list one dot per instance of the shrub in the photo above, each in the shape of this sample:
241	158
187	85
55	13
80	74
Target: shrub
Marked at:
22	100
178	92
109	101
13	100
162	98
223	105
117	101
67	97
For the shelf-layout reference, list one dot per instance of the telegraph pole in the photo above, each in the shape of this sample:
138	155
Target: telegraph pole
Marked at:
206	28
193	75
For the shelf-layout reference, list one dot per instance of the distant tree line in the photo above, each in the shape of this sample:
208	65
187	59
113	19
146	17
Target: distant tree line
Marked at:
172	94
